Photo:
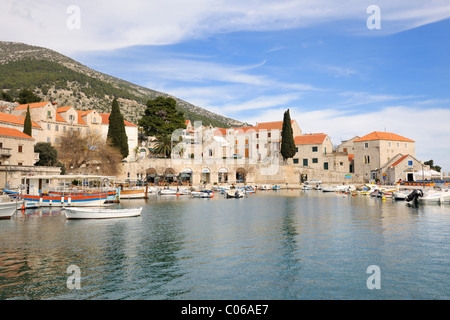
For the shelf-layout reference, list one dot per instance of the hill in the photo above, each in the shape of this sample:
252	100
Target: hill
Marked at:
53	76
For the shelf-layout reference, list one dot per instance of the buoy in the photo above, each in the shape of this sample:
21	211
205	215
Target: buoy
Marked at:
23	207
383	198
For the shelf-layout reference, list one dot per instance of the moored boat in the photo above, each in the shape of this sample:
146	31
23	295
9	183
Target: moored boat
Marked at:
235	194
100	213
7	209
203	194
132	193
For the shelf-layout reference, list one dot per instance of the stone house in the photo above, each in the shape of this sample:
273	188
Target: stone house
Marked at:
374	150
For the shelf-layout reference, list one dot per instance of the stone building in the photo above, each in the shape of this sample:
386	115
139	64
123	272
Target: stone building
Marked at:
17	157
374	150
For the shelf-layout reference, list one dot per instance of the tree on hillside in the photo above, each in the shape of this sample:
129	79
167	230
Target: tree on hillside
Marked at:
6	96
117	136
27	96
27	123
287	138
161	117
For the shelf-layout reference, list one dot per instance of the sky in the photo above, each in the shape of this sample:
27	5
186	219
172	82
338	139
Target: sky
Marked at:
344	68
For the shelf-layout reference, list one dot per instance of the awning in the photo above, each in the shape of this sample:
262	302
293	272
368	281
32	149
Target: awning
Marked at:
206	170
223	170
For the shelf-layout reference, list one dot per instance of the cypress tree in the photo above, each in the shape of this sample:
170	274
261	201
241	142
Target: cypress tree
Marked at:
287	138
27	123
117	136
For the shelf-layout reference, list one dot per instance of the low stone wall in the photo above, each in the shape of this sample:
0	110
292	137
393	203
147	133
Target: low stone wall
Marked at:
254	173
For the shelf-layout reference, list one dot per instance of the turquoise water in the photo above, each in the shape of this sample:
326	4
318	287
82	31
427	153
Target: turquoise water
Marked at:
272	245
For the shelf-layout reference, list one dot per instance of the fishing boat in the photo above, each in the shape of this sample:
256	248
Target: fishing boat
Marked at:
318	187
234	194
7	207
307	187
100	213
173	192
49	200
265	187
364	189
276	187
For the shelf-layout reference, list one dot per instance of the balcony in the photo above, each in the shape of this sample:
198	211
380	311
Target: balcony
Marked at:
5	152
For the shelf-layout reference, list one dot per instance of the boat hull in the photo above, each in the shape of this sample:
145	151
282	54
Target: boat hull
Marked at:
85	200
132	194
100	213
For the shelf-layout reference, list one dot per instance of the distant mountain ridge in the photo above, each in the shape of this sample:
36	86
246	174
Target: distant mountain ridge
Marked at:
53	76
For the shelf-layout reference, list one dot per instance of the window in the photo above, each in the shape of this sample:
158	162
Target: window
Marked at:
350	169
315	160
48	139
341	163
314	149
305	162
295	161
49	126
210	152
398	145
20	149
366	145
296	149
389	144
406	145
56	127
325	166
20	164
410	163
269	135
49	114
366	159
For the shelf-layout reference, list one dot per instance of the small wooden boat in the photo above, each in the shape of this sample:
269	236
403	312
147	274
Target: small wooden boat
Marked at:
132	193
7	209
100	213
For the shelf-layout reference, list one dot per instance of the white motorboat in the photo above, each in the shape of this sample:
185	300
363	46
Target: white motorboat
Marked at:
276	187
329	189
172	192
307	187
435	196
401	194
265	187
366	189
100	213
203	194
318	187
7	209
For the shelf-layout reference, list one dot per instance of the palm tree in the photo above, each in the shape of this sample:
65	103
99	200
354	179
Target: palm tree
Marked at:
164	145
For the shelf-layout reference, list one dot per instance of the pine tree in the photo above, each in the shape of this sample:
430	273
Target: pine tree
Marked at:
27	123
287	138
117	136
161	117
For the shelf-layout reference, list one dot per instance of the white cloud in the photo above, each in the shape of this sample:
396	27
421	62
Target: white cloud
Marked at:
428	127
107	25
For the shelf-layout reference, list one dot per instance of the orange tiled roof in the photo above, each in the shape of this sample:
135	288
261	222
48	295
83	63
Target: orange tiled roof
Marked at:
105	120
399	160
80	115
11	118
271	125
380	135
8	132
32	105
59	118
313	138
63	109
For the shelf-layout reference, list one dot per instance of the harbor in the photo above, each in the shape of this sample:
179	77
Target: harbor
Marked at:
271	244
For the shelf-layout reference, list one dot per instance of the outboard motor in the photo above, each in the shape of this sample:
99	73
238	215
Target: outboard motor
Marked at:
414	196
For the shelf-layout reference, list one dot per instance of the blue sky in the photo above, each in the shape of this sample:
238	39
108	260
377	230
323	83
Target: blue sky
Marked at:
252	60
